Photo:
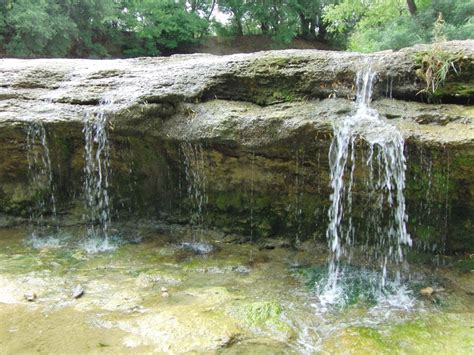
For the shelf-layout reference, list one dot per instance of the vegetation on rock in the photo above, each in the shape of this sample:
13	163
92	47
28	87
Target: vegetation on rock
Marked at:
437	64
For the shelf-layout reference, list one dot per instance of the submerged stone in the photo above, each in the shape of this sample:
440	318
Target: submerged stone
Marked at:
78	291
30	296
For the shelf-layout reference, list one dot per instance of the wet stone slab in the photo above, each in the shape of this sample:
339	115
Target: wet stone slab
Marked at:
161	295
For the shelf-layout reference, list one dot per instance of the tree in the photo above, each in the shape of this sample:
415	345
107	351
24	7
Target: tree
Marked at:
371	25
160	25
203	8
95	22
310	16
32	28
237	9
412	7
37	28
3	10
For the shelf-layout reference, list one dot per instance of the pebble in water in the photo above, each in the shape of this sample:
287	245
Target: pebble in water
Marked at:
77	292
30	296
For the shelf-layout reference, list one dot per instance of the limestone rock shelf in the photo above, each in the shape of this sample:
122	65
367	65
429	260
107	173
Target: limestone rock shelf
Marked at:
264	122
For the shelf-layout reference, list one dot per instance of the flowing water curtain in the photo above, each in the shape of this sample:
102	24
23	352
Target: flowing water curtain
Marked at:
195	172
40	173
97	171
384	211
296	195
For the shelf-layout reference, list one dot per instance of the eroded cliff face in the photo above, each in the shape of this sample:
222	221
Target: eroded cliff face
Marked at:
254	128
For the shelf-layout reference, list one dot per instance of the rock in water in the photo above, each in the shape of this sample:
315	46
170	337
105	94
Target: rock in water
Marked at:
78	291
30	296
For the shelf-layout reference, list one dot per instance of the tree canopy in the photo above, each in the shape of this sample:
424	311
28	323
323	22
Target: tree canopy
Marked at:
101	28
371	25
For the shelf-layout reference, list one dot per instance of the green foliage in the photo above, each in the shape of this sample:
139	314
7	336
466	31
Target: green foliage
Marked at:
98	28
95	20
344	16
39	27
466	265
283	20
33	28
237	9
2	28
373	25
101	28
161	24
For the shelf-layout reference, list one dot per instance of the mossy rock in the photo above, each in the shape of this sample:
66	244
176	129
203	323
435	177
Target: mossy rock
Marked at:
260	312
465	265
360	340
265	316
157	278
457	89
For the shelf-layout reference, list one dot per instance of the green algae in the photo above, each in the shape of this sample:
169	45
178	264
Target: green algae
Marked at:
206	264
458	89
465	265
267	316
248	193
448	333
359	283
216	304
259	312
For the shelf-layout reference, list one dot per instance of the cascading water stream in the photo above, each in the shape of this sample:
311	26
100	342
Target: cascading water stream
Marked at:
384	213
40	172
196	182
96	181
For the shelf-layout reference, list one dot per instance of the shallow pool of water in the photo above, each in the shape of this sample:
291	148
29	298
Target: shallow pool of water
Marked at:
154	289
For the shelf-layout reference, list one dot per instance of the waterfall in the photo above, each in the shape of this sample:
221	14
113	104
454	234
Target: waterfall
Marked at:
252	194
96	179
194	168
40	172
384	213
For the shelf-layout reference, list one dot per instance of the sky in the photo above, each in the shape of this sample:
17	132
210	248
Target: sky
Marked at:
220	16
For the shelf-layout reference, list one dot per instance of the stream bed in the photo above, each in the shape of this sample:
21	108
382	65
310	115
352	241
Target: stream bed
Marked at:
156	288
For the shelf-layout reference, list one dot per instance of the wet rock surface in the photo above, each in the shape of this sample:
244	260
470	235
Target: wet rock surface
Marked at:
263	122
270	309
263	78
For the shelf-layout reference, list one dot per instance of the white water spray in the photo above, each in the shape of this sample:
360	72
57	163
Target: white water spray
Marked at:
96	181
384	215
194	165
40	171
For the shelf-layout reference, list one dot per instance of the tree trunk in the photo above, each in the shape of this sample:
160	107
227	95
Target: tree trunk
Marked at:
240	30
212	9
305	26
322	31
412	7
193	6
